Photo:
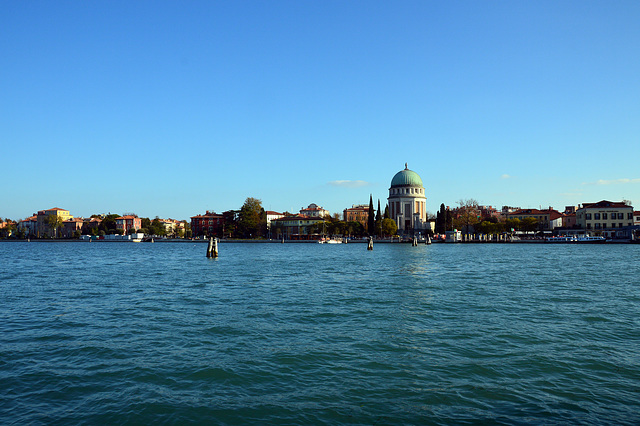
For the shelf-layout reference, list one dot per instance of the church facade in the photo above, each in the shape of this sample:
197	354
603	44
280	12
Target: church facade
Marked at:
408	202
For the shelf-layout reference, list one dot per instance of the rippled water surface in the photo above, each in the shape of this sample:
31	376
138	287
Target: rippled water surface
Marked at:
105	333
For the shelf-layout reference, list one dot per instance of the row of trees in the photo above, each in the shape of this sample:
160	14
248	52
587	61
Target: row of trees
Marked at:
467	215
251	222
147	226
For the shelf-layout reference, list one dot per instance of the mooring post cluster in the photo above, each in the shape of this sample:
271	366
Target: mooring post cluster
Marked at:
212	247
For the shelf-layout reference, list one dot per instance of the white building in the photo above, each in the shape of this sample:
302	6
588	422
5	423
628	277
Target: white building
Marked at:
314	211
407	201
271	215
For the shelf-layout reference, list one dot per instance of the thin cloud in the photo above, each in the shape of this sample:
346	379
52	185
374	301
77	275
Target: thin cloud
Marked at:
349	183
505	176
612	181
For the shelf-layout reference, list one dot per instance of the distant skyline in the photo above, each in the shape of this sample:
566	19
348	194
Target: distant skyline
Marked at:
171	109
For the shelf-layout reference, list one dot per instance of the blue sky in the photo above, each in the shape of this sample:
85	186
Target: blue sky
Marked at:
173	108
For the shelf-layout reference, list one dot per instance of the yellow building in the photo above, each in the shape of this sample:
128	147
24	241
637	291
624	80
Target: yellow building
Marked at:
43	221
605	218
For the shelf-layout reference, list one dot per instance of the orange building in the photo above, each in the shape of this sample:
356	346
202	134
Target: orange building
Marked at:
357	213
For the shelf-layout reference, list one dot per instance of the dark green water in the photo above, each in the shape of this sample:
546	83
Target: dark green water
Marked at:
122	333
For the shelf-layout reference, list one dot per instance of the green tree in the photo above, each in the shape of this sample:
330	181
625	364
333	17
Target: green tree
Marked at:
157	227
145	222
530	224
371	219
54	222
468	214
510	224
252	219
108	224
9	228
229	223
379	220
389	227
441	220
355	228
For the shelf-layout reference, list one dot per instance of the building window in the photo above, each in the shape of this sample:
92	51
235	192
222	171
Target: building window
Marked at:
629	215
588	216
604	216
588	226
613	225
620	215
596	216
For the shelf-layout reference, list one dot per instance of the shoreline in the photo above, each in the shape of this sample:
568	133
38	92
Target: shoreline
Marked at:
364	241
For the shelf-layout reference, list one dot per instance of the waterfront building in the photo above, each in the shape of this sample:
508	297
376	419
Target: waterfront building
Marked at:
172	226
29	225
357	213
6	228
42	227
295	227
69	227
314	211
209	224
271	215
569	220
636	218
128	223
606	218
407	201
488	212
548	219
90	225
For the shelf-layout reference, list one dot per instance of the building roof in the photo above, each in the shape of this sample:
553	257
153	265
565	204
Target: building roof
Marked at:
604	203
527	211
271	213
406	177
208	214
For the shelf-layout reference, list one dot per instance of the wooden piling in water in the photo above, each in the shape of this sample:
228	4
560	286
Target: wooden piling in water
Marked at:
209	247
370	244
214	249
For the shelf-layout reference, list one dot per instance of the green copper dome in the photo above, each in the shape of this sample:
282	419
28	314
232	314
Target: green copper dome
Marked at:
406	177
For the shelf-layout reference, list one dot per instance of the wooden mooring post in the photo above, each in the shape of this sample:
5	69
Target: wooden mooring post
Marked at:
370	244
212	247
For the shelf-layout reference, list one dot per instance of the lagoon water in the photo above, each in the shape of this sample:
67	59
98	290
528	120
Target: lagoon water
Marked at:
122	333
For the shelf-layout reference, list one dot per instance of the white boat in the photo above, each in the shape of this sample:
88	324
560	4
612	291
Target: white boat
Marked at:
329	241
562	239
588	239
576	239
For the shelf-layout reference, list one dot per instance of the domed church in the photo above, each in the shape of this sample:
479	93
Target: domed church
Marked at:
407	201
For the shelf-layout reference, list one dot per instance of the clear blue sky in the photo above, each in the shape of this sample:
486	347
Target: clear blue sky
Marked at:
172	108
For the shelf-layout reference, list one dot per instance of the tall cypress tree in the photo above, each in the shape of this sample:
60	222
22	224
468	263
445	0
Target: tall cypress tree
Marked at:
379	220
371	219
441	224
